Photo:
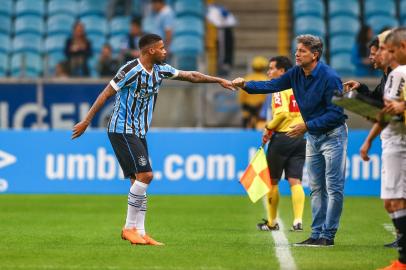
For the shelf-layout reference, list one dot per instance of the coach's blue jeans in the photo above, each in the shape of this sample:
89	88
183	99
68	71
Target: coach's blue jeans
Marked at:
326	156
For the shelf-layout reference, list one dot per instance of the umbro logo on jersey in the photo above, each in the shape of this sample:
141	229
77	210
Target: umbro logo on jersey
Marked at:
142	161
121	75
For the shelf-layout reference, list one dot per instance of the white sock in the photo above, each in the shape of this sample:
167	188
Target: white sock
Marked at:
136	198
140	217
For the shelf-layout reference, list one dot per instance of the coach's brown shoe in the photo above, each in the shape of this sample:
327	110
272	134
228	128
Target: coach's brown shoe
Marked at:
133	236
152	242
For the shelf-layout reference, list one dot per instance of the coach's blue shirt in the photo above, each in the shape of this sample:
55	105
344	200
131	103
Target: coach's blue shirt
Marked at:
137	92
313	94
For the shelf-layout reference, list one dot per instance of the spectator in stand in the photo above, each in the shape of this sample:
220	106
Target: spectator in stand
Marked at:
78	50
360	52
107	64
160	21
130	49
61	70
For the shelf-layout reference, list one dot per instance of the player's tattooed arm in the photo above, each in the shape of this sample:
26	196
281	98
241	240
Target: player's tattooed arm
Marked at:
197	77
81	127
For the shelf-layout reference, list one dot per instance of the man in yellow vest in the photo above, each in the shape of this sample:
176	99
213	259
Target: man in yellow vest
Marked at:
285	154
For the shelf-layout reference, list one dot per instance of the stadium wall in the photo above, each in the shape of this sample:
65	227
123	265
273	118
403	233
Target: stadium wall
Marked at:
185	161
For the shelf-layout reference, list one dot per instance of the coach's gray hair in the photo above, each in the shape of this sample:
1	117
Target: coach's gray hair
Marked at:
396	36
314	43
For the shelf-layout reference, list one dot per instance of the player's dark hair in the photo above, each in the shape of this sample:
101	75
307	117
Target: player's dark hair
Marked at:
374	43
157	1
148	40
137	21
282	62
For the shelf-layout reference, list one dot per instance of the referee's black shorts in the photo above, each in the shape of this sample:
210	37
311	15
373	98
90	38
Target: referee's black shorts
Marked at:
286	154
131	152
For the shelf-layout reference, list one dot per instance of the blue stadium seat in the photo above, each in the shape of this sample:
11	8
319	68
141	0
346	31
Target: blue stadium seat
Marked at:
60	24
5	43
30	7
379	22
341	44
55	43
186	8
344	25
377	7
188	25
341	62
137	8
119	26
57	7
97	42
27	43
308	8
310	25
116	42
26	65
402	11
6	7
95	25
5	24
51	60
187	45
3	64
29	24
344	7
92	7
93	66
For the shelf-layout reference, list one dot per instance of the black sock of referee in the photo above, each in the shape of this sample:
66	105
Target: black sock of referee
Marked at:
399	219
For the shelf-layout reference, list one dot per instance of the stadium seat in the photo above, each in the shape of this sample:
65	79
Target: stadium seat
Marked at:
188	25
93	66
29	24
344	8
55	43
51	60
119	26
5	24
97	42
308	8
186	62
137	8
380	22
92	7
344	25
6	7
30	7
5	43
402	11
341	44
310	25
3	63
27	43
185	8
187	45
95	25
376	7
60	24
26	65
57	7
342	64
116	43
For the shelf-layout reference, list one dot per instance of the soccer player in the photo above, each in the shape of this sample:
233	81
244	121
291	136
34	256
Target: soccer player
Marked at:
136	87
284	153
314	84
380	60
393	187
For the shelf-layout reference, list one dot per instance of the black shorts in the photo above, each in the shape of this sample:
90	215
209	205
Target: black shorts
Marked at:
131	152
286	154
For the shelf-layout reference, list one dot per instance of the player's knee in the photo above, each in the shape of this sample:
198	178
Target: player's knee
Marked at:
398	204
145	177
388	205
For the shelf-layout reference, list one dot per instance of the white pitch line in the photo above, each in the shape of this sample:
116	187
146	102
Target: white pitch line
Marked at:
282	249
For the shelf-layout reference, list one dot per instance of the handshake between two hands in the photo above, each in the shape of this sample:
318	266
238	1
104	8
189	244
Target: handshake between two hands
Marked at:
233	85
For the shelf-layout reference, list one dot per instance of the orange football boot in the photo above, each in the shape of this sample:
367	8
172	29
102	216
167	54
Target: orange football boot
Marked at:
152	242
396	265
133	236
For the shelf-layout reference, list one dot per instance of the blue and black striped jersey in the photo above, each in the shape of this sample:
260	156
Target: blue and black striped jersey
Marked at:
137	92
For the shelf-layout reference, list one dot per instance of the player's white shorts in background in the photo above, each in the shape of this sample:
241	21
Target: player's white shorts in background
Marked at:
393	177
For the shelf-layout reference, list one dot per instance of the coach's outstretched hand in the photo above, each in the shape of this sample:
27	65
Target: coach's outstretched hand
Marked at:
228	85
239	82
351	85
79	128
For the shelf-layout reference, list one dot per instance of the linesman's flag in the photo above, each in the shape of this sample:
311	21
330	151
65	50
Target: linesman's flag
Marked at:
256	179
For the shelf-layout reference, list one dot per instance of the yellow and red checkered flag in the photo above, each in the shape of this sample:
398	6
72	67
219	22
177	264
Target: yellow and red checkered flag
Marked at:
256	179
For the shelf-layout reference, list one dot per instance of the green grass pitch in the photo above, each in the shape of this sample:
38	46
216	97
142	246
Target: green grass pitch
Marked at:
200	232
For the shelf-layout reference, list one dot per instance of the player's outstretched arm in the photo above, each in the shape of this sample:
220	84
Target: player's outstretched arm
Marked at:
81	127
197	77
